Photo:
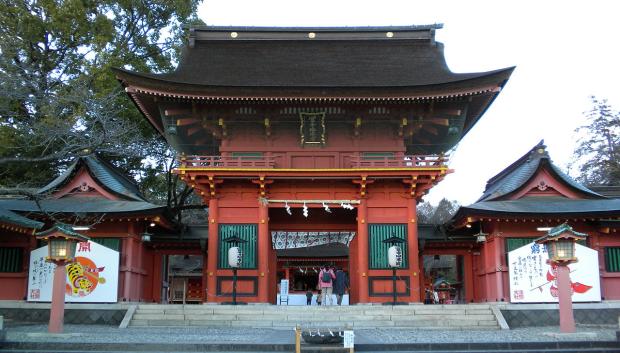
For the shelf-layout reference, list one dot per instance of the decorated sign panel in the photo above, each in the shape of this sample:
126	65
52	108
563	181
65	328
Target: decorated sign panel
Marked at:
532	280
92	278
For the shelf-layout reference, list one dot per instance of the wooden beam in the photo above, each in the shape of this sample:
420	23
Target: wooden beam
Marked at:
187	121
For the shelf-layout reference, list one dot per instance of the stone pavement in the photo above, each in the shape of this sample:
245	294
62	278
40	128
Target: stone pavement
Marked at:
108	334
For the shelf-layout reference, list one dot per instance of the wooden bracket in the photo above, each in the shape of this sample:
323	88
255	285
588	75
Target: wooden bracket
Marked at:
413	183
267	123
222	124
212	182
262	185
363	182
357	125
401	127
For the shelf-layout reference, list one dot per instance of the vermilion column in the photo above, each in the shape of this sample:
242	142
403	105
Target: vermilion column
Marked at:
57	312
263	252
129	252
412	242
567	321
498	249
212	250
362	252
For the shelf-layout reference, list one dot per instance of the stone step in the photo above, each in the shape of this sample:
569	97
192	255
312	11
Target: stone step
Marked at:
279	317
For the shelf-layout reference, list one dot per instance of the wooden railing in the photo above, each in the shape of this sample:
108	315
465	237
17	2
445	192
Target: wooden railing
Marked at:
357	160
226	162
410	161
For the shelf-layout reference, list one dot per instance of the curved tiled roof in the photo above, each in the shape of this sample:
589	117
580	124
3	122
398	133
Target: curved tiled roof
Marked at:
519	173
337	57
543	206
103	172
10	217
81	205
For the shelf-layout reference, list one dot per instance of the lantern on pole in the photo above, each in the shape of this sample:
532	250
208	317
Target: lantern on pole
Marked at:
62	241
235	259
395	261
560	243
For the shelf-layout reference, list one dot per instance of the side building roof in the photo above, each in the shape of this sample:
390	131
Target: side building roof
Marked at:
103	172
496	199
11	218
519	173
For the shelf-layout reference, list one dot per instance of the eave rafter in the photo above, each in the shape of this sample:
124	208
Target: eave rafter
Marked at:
310	97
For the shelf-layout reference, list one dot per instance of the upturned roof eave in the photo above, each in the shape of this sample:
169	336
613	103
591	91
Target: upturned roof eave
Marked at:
520	208
161	85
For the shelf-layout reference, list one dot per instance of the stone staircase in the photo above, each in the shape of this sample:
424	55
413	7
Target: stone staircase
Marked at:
465	316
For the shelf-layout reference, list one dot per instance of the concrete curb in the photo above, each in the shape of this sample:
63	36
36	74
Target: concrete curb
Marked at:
499	317
285	347
128	316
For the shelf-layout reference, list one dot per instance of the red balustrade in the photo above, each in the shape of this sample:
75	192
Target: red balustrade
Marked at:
357	160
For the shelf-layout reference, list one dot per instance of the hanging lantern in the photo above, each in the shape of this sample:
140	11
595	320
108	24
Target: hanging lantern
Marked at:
235	257
395	256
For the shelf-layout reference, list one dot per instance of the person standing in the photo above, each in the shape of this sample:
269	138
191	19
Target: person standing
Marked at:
309	297
341	283
326	279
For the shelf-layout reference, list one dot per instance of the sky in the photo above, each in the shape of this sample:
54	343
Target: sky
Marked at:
564	52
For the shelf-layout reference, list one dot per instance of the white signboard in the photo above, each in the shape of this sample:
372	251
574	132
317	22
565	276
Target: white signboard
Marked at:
349	339
284	288
532	280
92	278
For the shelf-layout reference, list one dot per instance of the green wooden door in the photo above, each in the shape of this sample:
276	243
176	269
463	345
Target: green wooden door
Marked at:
377	233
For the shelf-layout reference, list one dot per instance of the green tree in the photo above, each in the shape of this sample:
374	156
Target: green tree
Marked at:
439	214
597	155
58	96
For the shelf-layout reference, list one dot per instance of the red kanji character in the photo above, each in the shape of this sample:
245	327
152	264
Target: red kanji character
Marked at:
84	246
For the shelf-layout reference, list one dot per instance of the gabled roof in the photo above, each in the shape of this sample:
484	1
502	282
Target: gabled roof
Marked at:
495	199
520	172
103	173
9	217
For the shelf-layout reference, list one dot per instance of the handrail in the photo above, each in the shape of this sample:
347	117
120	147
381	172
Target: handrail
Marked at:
356	160
406	161
227	162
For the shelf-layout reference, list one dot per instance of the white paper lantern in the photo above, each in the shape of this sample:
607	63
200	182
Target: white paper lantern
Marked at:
235	256
395	256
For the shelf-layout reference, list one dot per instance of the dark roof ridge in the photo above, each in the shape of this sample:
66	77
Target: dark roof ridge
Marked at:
121	176
526	157
316	28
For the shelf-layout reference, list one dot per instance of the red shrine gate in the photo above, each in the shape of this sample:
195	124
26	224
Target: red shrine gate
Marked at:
354	120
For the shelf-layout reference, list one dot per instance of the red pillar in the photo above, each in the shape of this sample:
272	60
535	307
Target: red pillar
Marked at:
212	250
412	243
567	321
468	272
57	312
498	249
362	252
263	252
129	281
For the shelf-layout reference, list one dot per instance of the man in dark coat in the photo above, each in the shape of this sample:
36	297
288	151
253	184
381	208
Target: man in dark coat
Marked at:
341	283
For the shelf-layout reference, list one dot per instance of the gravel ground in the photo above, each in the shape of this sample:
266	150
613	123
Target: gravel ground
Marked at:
93	333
